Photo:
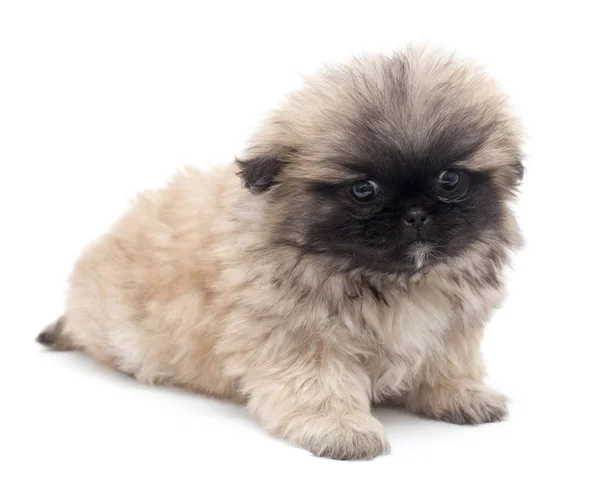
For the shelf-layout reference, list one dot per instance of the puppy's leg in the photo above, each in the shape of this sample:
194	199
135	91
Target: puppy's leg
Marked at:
319	402
449	387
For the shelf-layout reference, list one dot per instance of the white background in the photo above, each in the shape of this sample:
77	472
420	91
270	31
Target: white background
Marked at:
99	100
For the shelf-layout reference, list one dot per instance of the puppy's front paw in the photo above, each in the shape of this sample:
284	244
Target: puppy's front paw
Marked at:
348	437
468	403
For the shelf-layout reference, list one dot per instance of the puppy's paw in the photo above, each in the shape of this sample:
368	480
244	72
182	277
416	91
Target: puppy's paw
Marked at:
352	445
348	437
466	404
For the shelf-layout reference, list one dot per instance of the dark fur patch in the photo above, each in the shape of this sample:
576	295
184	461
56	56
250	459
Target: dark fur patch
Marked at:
373	235
519	171
46	338
259	172
53	336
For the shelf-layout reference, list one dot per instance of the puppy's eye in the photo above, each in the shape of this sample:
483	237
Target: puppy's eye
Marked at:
452	185
364	191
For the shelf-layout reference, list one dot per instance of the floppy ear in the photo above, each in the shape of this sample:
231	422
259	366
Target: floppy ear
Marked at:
519	171
259	171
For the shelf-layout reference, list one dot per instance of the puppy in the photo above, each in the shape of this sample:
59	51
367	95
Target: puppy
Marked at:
355	263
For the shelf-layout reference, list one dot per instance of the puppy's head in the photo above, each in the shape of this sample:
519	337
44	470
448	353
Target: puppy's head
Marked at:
392	164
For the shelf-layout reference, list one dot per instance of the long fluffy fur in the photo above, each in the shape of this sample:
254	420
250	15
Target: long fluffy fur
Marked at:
208	285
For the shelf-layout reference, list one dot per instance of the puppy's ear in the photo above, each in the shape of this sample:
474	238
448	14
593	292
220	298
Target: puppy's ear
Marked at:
259	171
519	171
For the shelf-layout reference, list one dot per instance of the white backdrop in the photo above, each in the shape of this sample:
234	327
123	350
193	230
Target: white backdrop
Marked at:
99	100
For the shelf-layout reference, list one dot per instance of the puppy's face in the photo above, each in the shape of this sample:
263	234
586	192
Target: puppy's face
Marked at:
397	214
391	164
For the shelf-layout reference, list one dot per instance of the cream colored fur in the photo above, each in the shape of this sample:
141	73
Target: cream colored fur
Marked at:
187	288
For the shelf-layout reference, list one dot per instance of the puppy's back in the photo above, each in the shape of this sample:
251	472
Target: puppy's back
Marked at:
139	296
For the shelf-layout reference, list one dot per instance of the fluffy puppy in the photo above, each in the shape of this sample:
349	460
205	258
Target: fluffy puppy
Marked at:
355	262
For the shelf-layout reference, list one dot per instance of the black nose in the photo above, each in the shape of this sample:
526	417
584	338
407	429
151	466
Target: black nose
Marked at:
417	217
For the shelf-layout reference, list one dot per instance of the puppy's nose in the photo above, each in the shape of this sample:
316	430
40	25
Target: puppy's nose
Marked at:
417	217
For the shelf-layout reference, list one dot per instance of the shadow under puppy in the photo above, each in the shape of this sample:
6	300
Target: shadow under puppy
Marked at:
355	263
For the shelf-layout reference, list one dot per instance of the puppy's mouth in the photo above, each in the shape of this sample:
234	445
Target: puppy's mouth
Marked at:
422	253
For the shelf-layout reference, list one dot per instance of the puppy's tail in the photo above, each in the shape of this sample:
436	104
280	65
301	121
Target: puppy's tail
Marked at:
55	337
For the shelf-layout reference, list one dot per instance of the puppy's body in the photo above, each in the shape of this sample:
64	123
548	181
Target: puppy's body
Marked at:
244	294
